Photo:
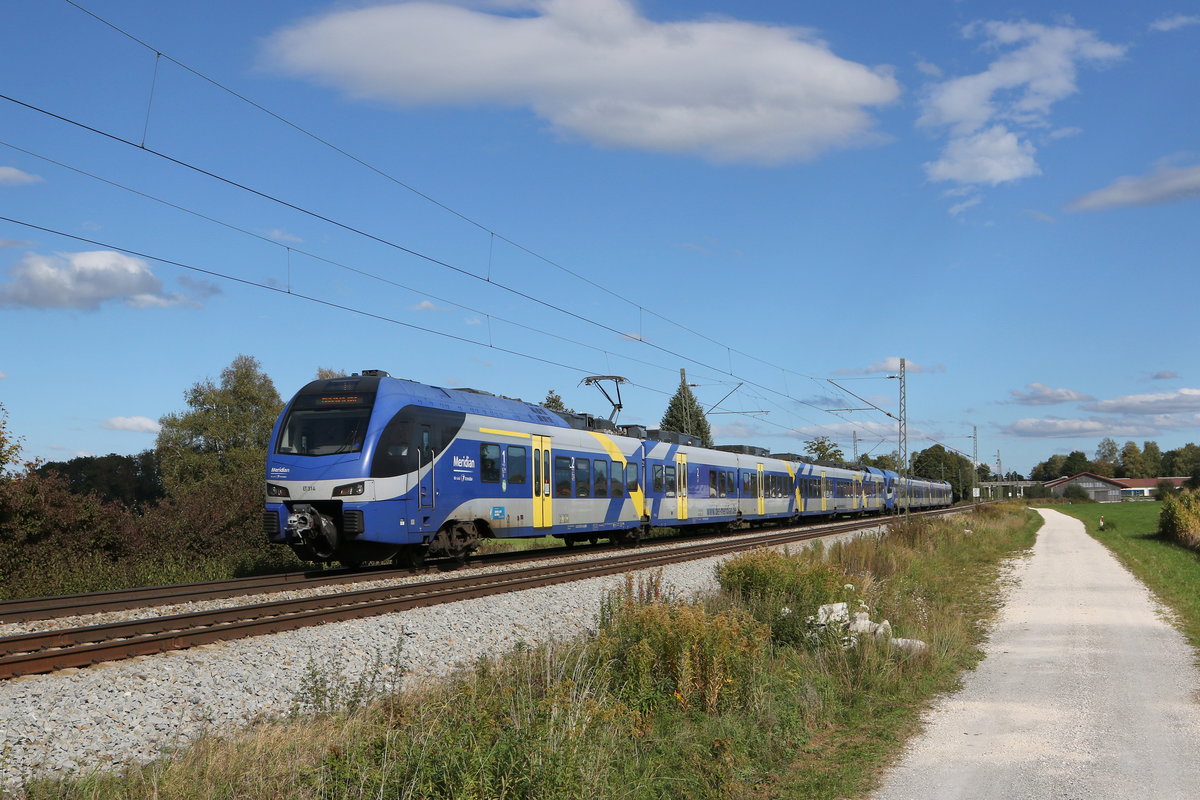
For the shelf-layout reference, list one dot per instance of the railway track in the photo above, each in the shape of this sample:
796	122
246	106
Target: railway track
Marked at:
82	646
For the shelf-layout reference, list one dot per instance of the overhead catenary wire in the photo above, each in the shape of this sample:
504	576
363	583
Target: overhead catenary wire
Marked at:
381	240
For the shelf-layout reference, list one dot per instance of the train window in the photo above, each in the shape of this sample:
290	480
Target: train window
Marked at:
413	438
631	477
562	476
712	483
583	477
537	472
669	481
517	468
658	478
325	424
601	477
489	463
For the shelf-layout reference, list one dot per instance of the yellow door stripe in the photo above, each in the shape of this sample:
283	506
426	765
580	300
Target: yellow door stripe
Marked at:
638	497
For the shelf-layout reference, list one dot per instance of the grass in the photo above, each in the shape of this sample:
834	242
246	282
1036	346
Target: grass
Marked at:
734	695
1171	571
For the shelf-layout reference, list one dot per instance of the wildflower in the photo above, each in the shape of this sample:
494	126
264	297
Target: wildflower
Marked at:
785	611
849	587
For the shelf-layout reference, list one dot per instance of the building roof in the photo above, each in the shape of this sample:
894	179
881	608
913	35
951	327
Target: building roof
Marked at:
1061	481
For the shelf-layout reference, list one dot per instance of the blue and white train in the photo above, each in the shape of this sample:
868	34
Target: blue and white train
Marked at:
370	467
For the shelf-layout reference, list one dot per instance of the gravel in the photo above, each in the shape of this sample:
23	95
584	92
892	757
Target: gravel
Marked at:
125	712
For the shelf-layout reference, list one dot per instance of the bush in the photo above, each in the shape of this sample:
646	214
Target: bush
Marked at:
1077	493
781	590
1179	519
661	650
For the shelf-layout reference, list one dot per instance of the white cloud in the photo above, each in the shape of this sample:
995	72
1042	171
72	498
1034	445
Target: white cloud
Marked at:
992	156
11	176
890	364
84	280
989	114
1175	22
14	243
1183	400
280	235
1165	185
3	375
428	305
721	88
1040	216
1164	375
1043	395
958	208
134	424
1095	427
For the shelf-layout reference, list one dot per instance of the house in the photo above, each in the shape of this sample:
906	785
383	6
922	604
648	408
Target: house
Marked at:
1098	487
1111	490
1143	488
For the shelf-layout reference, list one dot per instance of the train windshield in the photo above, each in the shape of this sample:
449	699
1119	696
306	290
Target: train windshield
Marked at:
332	423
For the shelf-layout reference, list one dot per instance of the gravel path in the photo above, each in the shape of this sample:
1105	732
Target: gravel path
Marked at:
1085	692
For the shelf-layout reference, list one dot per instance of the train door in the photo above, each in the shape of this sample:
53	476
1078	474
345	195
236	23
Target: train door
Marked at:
762	494
543	497
824	493
427	493
681	505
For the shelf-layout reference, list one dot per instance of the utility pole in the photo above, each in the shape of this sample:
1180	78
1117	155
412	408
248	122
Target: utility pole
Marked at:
854	435
903	439
974	460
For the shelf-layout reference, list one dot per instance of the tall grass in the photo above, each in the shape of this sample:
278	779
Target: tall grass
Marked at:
670	698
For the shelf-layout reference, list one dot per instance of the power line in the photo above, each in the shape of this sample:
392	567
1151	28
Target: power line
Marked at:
408	187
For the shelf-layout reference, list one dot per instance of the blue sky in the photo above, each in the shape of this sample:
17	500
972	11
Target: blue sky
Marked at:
513	194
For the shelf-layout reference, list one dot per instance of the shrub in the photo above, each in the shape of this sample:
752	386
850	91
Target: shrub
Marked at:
1179	519
667	651
1076	492
781	590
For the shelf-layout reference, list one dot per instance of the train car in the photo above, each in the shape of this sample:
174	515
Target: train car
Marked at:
370	467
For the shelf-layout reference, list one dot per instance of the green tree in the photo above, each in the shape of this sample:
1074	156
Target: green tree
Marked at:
823	448
1152	459
224	435
133	481
684	414
1051	468
1181	461
10	446
886	461
938	463
1132	464
1107	455
554	402
329	373
1076	462
1077	493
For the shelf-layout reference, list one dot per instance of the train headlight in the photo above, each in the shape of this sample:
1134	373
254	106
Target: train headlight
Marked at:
350	489
277	491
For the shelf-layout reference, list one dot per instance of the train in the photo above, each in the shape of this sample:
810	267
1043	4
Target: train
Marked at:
369	467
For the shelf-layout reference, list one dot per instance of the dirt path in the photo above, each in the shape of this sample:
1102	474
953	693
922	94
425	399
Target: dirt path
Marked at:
1085	693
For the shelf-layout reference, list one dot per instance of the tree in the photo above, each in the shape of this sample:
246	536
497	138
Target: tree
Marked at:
328	373
1051	468
823	448
684	414
10	446
1163	488
889	461
554	402
1152	459
938	463
1076	462
1182	460
224	436
1105	462
133	481
1076	492
1132	465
